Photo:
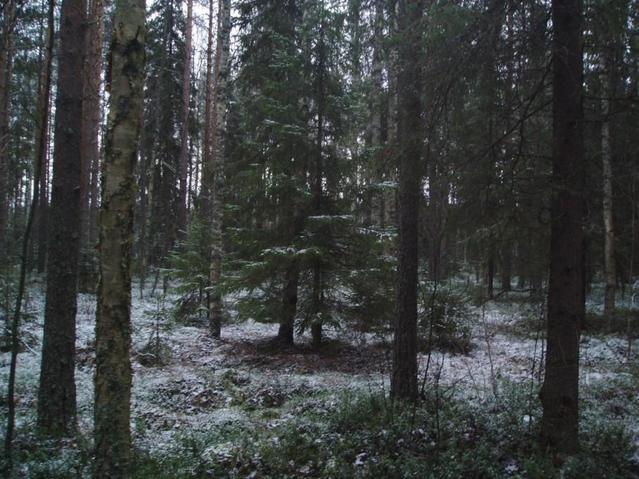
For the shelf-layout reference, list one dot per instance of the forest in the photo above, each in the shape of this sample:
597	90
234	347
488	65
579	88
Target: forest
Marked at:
319	239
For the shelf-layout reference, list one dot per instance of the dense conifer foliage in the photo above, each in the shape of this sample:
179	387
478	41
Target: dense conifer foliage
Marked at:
319	238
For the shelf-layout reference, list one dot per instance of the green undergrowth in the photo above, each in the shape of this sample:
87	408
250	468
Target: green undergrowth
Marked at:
367	435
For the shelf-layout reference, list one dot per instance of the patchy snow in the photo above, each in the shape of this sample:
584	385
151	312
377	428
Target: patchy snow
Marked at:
236	380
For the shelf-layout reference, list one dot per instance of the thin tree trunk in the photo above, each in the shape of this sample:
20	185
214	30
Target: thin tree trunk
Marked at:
506	268
490	274
184	160
390	194
15	324
91	117
289	304
318	175
142	208
113	374
218	127
56	395
566	293
42	137
6	71
207	173
43	202
609	231
404	374
292	221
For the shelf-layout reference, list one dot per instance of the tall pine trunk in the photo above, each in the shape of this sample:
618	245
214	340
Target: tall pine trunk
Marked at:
566	293
56	395
113	374
404	374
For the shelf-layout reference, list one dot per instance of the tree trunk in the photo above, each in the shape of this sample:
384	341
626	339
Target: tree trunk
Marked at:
566	297
184	159
113	322
612	59
43	202
506	268
207	166
38	173
91	117
42	138
218	126
56	396
289	304
318	176
318	300
6	70
609	231
140	220
404	375
390	194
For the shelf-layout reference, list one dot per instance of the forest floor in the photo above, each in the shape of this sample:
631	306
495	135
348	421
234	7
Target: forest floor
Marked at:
209	395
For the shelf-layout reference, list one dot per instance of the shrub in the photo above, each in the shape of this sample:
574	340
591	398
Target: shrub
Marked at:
446	320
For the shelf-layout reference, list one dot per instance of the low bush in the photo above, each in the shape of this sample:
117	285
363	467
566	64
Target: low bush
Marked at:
446	320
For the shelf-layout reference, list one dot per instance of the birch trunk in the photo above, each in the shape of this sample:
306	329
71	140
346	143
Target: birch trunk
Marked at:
113	322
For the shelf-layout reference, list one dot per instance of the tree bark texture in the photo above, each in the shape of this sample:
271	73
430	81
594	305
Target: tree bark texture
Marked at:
404	374
56	396
113	318
559	392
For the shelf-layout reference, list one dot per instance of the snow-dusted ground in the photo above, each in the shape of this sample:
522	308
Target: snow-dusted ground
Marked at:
236	380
